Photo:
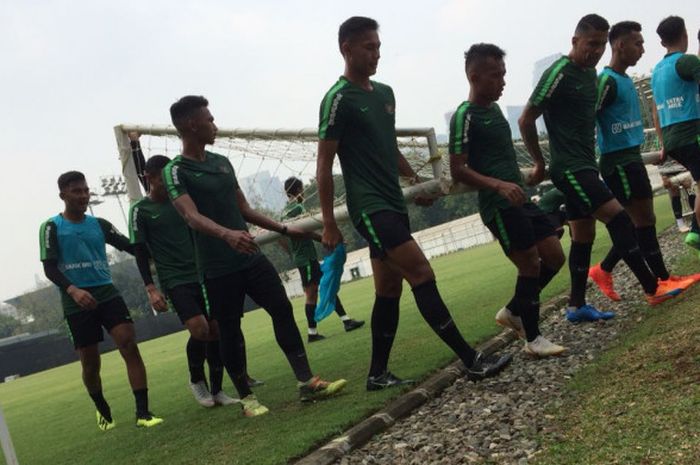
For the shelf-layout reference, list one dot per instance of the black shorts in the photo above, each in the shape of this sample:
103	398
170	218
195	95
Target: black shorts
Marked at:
188	301
519	228
86	325
310	273
384	230
259	280
689	157
585	192
629	182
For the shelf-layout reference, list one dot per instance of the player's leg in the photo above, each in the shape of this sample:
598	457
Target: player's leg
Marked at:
674	194
349	324
390	232
262	283
310	276
115	318
689	157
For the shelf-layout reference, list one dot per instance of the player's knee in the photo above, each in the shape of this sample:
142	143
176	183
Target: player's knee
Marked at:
200	332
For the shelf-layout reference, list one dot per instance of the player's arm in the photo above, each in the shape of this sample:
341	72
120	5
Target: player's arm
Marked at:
659	133
460	171
607	93
253	216
139	159
114	238
49	257
327	149
688	68
138	236
528	131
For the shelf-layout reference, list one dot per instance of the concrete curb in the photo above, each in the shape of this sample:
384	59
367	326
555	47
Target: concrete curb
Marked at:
403	406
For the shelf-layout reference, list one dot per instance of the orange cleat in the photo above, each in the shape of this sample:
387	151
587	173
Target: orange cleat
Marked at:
681	282
604	281
665	290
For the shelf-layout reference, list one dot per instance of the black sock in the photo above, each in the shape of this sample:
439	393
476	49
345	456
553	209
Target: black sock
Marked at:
101	405
651	251
610	260
693	219
232	356
196	354
385	320
677	207
216	366
438	317
527	300
141	396
339	309
513	307
579	261
310	310
546	275
624	239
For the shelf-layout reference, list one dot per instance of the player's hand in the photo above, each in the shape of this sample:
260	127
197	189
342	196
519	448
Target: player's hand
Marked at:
133	136
511	192
157	299
241	241
423	201
331	236
83	298
662	157
536	175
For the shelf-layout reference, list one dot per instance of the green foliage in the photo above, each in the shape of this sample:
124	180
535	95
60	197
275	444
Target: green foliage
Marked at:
8	325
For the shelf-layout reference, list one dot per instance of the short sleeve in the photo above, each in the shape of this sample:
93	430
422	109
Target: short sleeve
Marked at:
332	114
688	68
459	130
48	241
137	232
607	92
548	84
173	180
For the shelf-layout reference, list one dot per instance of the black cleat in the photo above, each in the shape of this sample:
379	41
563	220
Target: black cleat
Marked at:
352	324
316	337
486	366
252	382
385	380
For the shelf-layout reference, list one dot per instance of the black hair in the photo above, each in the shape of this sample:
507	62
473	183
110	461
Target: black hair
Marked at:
478	53
354	26
293	185
592	22
671	30
185	108
622	29
69	177
156	163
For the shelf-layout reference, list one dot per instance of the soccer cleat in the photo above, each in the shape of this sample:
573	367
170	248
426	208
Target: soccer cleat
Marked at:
252	382
385	380
604	281
664	291
103	423
681	282
692	239
201	394
221	398
316	389
541	347
587	313
146	420
352	324
316	337
486	366
253	408
505	318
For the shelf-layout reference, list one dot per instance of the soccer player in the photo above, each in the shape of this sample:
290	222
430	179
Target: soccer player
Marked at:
674	83
566	95
157	230
73	253
667	170
357	121
303	254
203	188
482	155
620	136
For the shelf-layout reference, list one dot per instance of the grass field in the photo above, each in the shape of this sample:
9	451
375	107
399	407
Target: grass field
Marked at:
640	402
51	418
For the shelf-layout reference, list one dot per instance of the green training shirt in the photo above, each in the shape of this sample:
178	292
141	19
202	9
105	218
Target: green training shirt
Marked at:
608	162
483	135
687	132
566	94
161	228
363	123
303	251
213	187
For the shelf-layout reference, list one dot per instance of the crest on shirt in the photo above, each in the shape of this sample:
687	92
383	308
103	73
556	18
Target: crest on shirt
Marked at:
389	108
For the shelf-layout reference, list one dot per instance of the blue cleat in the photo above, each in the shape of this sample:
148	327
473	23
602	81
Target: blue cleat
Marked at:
587	313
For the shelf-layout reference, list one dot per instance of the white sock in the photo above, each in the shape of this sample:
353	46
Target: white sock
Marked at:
313	331
344	318
680	223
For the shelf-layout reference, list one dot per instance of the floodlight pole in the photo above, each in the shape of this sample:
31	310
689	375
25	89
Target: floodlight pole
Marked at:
7	448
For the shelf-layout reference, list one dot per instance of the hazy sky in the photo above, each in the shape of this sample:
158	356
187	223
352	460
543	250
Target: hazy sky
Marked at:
74	69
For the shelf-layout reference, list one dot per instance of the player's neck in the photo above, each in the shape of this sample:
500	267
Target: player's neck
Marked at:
618	65
675	49
158	197
194	150
359	80
574	59
74	216
479	100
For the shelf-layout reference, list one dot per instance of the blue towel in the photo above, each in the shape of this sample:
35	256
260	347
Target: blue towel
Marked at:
332	268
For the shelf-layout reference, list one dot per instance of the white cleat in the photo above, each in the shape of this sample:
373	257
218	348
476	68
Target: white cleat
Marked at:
201	394
221	398
541	347
505	318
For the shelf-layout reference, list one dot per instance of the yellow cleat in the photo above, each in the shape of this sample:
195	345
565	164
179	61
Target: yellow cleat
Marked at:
251	406
316	389
148	420
103	424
